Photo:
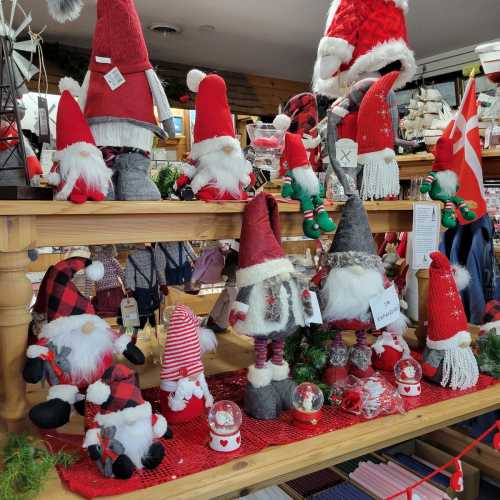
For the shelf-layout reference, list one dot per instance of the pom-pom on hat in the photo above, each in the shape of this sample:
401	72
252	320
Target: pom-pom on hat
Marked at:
65	10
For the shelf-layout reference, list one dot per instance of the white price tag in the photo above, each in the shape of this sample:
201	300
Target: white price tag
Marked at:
385	308
316	318
103	60
426	232
114	78
130	313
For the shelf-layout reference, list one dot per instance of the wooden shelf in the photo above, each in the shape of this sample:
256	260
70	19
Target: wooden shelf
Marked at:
419	165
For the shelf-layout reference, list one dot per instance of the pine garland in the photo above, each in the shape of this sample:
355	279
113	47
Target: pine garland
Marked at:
165	180
26	464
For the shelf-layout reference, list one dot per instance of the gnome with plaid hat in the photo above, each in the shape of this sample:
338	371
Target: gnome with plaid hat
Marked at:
184	393
448	357
126	430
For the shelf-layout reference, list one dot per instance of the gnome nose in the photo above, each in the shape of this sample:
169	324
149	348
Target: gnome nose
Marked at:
88	328
227	149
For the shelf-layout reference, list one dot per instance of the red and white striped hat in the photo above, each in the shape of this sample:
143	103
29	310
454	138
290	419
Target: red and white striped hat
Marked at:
182	353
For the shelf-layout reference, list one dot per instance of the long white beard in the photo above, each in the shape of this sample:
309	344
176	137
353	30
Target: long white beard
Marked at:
87	351
448	180
187	388
460	370
347	293
137	438
307	179
228	173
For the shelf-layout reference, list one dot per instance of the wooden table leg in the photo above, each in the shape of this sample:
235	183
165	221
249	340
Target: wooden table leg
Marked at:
423	296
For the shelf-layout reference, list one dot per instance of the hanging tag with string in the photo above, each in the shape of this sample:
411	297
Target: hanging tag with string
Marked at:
43	104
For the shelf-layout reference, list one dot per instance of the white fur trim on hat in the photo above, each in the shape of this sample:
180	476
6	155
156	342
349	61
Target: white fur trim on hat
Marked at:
95	271
71	85
280	372
332	46
462	277
402	4
213	144
188	169
160	426
126	416
451	343
65	10
67	393
260	377
35	351
260	272
98	392
493	325
386	155
121	343
208	340
194	78
282	122
91	438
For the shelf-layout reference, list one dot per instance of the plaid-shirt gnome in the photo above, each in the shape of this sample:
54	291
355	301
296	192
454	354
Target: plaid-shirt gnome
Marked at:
184	392
302	183
272	303
448	357
126	429
71	353
120	93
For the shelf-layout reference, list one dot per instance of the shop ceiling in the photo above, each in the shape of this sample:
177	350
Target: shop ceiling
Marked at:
275	38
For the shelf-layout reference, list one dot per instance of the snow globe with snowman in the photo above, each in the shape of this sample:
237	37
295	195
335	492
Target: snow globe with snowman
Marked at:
308	403
224	420
408	374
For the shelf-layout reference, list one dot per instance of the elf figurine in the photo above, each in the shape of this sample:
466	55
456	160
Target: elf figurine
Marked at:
302	183
442	185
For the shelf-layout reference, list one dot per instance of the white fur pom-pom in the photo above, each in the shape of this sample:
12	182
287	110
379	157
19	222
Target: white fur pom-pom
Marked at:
462	277
71	85
65	10
98	393
282	122
95	271
194	78
36	351
121	343
208	340
53	178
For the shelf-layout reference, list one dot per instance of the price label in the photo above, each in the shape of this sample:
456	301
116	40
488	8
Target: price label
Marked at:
130	313
385	308
114	78
426	233
103	60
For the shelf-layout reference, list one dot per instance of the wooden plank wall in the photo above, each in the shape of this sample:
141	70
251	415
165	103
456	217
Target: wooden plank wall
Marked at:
248	94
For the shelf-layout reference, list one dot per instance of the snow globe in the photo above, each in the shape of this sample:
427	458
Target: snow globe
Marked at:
408	374
224	421
308	403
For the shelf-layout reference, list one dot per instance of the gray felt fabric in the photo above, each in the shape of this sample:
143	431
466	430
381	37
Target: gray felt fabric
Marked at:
284	389
354	233
263	403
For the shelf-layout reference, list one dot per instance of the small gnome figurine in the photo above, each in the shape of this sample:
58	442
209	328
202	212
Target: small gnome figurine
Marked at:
184	392
302	183
70	354
219	169
448	357
272	303
79	172
391	346
489	340
442	185
126	427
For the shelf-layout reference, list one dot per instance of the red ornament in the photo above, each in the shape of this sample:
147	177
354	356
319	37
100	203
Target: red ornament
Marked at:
184	98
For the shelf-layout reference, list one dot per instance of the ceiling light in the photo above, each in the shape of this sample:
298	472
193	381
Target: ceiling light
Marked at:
165	29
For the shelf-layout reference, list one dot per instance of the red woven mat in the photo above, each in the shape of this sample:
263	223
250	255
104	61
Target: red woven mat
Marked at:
189	453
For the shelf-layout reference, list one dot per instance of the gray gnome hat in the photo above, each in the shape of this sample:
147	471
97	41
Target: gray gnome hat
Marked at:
354	234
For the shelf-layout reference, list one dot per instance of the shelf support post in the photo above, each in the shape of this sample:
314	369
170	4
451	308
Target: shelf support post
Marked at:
423	296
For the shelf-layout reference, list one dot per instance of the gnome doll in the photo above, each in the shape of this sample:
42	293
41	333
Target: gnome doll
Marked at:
391	346
79	172
71	353
119	95
302	183
126	430
272	303
219	169
362	39
448	357
184	392
442	185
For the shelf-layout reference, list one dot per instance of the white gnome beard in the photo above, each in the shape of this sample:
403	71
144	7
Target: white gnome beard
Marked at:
137	438
87	350
347	293
226	172
448	181
460	370
307	179
186	389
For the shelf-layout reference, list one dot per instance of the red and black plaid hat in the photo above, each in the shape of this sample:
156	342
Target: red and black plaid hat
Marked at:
58	296
124	389
303	110
491	312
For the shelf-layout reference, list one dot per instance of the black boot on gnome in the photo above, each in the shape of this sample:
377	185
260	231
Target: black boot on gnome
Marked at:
154	457
123	468
50	414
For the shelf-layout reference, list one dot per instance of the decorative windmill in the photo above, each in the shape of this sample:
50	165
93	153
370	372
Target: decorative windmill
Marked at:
15	71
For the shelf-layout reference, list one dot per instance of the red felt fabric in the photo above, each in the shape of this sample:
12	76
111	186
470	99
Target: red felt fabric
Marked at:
188	453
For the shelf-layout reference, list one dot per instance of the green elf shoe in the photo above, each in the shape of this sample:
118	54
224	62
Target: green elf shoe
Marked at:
449	218
311	229
325	222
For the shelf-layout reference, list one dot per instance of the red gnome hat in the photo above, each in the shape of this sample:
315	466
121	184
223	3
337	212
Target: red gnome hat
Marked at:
214	128
443	153
295	153
261	256
447	321
362	37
